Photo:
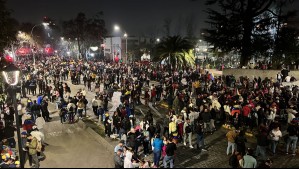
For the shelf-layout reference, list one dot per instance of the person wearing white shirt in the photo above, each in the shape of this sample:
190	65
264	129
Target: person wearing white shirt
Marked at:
288	79
20	112
291	115
192	119
40	123
275	135
83	92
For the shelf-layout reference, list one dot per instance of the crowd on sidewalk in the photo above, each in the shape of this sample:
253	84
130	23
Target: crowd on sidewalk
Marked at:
32	133
196	100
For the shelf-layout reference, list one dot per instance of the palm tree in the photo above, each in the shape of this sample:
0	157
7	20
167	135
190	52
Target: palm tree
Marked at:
176	50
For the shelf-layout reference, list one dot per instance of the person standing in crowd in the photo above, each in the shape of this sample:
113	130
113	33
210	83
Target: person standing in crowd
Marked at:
248	160
45	111
32	145
20	112
128	158
119	146
200	136
118	161
9	134
95	105
80	108
262	143
40	123
188	133
170	152
275	136
157	148
292	139
35	109
240	142
231	137
206	117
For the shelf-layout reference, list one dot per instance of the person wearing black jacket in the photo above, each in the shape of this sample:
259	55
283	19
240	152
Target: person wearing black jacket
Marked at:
200	136
170	152
284	73
240	142
262	143
206	117
293	137
35	109
45	111
9	134
85	104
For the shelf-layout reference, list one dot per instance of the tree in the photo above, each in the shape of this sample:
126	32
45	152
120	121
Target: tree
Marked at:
235	27
8	28
287	47
177	50
86	31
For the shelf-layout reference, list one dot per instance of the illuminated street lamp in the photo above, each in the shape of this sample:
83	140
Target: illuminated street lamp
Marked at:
116	28
158	40
11	75
45	25
126	37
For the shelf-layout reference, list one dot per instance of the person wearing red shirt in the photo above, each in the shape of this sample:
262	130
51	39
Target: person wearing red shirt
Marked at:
246	113
153	95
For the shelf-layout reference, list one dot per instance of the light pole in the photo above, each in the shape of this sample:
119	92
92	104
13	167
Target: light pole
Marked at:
11	75
44	24
117	29
126	36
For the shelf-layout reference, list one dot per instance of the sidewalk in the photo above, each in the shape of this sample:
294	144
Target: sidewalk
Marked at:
71	146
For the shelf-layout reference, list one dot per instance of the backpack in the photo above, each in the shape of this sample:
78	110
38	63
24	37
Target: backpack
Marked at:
71	109
188	129
39	146
80	104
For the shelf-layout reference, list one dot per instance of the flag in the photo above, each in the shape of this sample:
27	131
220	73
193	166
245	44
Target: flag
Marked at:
212	77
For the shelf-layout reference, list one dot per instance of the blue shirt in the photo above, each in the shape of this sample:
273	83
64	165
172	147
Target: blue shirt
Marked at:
158	144
39	100
117	148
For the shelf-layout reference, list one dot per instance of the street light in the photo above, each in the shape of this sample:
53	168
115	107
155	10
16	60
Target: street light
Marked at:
11	75
126	36
45	25
116	28
158	40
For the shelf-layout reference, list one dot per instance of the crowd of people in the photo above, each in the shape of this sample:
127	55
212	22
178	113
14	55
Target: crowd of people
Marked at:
196	100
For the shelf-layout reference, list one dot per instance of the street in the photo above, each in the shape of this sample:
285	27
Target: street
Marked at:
71	147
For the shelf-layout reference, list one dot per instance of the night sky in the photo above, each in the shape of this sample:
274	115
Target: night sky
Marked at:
136	17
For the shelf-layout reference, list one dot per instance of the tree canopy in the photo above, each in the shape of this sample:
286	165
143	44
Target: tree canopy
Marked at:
245	26
177	50
8	28
87	31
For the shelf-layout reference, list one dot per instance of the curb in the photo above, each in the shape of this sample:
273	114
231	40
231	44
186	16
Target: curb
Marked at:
82	125
101	140
97	137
